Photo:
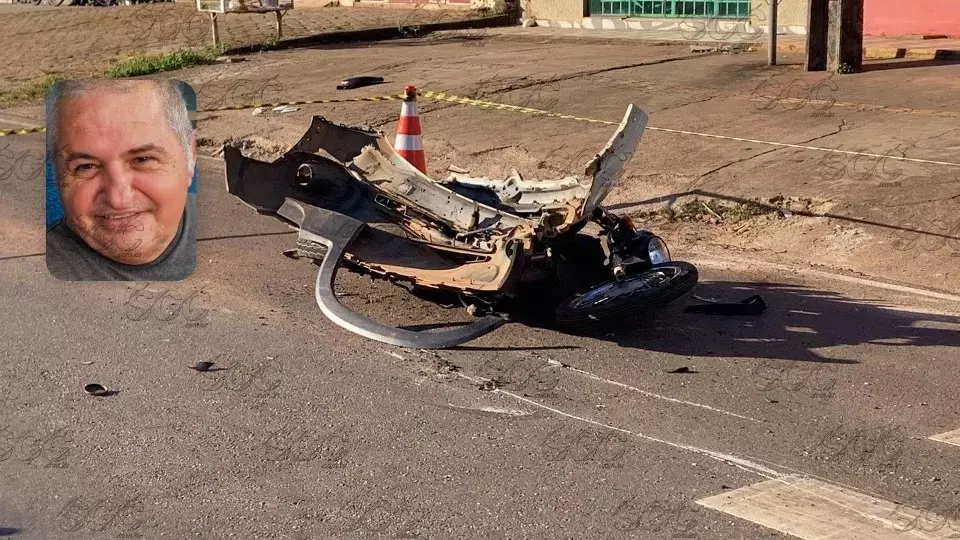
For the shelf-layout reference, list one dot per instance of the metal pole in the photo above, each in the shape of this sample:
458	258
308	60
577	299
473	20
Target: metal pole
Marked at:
216	31
772	46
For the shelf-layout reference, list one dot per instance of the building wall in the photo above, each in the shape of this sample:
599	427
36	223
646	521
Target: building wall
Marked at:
789	13
912	17
557	10
889	17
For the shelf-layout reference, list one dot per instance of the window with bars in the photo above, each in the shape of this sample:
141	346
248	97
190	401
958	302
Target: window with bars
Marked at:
732	9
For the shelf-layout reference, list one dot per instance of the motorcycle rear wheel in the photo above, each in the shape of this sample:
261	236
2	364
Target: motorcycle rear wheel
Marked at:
652	289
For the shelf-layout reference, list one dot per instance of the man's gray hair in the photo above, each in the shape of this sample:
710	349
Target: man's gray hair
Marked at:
178	117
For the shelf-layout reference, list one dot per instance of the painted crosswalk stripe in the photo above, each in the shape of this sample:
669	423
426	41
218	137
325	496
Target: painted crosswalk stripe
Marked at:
812	509
950	437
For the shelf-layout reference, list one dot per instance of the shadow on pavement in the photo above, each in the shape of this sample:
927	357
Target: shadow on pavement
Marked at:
798	321
949	58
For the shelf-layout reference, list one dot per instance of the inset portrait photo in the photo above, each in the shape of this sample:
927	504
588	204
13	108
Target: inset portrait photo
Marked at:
121	180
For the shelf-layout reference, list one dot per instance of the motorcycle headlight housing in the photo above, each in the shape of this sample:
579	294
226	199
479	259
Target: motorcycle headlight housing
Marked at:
657	250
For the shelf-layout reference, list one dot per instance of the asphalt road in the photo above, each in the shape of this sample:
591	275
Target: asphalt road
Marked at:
312	432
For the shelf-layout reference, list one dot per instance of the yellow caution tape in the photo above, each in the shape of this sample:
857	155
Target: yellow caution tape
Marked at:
21	131
400	97
310	102
443	96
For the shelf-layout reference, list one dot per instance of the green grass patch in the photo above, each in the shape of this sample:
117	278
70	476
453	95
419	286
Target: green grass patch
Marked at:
146	64
32	91
269	45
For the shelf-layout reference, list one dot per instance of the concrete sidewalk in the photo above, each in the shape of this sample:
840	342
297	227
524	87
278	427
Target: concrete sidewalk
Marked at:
76	41
875	47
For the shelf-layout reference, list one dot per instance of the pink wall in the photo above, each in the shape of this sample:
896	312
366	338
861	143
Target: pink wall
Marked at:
892	17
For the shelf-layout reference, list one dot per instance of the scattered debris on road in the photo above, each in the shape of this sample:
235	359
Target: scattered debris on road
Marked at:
98	390
487	240
751	306
202	366
359	82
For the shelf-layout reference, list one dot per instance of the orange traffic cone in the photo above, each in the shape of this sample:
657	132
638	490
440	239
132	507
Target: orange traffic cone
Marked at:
409	143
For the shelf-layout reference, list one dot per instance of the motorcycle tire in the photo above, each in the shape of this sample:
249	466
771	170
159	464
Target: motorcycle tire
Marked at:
619	300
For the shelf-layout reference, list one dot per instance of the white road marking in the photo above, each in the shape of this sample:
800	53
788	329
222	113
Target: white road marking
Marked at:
649	394
738	462
393	354
494	410
806	147
801	504
814	510
950	437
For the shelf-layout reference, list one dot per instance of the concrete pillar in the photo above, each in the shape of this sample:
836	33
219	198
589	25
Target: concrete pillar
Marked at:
817	25
845	35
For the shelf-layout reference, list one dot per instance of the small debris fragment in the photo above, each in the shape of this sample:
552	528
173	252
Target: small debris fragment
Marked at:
202	366
683	369
286	110
86	363
95	389
772	401
358	82
258	111
459	170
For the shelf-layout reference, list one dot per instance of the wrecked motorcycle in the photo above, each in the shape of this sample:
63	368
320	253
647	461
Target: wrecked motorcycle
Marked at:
357	203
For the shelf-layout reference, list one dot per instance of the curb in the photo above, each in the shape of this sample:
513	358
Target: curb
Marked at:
376	34
888	53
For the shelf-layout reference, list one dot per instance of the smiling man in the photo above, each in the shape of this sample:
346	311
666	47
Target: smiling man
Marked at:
123	156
